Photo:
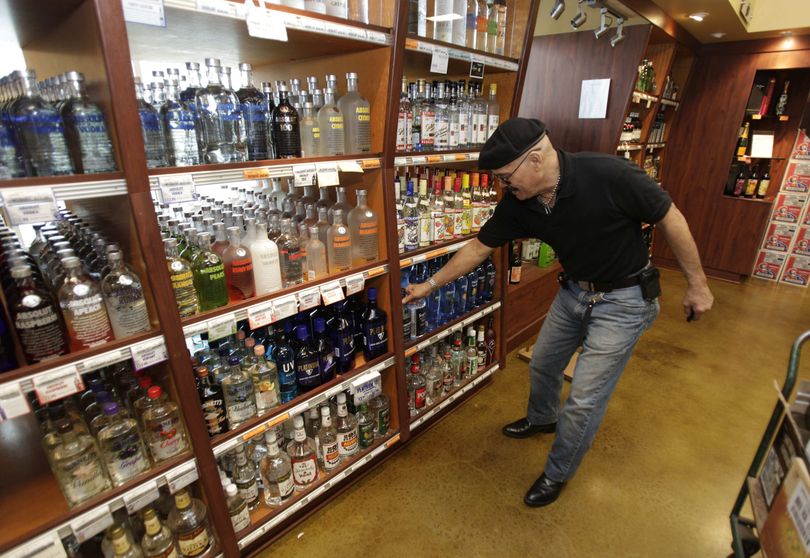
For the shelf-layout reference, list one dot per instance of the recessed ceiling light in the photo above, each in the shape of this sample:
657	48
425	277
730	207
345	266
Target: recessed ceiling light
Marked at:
787	33
698	16
718	35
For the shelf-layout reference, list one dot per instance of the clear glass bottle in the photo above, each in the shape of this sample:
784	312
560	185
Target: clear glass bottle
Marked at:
188	303
209	275
188	520
303	456
442	25
285	126
123	295
358	10
180	129
316	256
493	110
121	446
341	203
329	452
416	119
86	319
266	266
157	541
36	319
356	117
346	427
254	110
434	379
237	508
310	131
122	547
380	409
238	268
240	398
500	37
428	118
85	130
417	389
244	475
154	140
77	464
442	118
410	213
222	121
453	117
365	427
290	256
265	381
212	402
404	119
163	429
331	125
363	227
276	472
338	245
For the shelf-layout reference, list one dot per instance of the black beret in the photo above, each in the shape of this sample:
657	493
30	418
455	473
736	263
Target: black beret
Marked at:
509	141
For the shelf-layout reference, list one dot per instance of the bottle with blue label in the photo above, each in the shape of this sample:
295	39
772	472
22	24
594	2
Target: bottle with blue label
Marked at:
154	142
342	331
284	357
472	290
375	334
489	284
221	119
418	307
40	130
326	351
307	365
180	129
461	295
85	130
254	108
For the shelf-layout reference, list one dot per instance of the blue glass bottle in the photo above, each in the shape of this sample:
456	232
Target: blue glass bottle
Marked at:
472	289
254	109
404	281
375	334
489	284
447	302
417	309
154	142
85	130
284	357
433	317
7	359
10	155
482	284
342	332
307	365
180	129
461	295
223	125
358	309
326	351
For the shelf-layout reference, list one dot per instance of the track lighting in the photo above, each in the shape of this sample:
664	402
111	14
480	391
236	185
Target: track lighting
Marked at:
558	9
619	36
580	18
605	22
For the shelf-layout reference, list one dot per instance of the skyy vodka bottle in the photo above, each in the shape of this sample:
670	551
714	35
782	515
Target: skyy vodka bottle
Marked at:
222	122
85	130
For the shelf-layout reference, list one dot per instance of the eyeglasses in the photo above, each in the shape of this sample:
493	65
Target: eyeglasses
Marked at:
506	179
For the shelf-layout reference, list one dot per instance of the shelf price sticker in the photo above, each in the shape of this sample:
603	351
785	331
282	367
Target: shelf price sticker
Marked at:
327	174
29	206
349	166
147	12
12	402
177	189
355	284
264	24
140	497
182	478
303	175
439	60
366	387
309	298
58	384
256	174
104	359
149	353
260	315
285	307
224	326
91	524
220	7
331	292
46	546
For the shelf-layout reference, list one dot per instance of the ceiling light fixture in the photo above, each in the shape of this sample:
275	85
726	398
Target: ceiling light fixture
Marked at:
605	21
698	16
558	9
718	35
619	36
786	33
580	18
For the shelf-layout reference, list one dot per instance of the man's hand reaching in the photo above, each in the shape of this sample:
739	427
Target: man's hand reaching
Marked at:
416	291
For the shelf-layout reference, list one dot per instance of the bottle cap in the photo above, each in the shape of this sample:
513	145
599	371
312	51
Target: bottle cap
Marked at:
71	262
298	421
301	333
20	271
319	324
325	411
110	408
250	343
341	398
201	372
154	392
258	350
63	426
233	360
231	489
372	293
245	66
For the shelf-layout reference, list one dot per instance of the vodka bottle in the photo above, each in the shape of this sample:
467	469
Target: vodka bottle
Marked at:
453	118
428	116
489	285
295	94
471	35
85	130
310	131
34	314
493	110
482	115
416	117
285	127
449	209
209	275
244	476
11	156
500	37
356	117
154	140
437	210
237	507
492	26
123	296
418	308
458	210
181	275
254	110
237	388
276	472
265	381
400	211
266	266
222	121
40	130
471	354
341	330
163	428
341	204
83	308
303	456
269	106
212	402
290	256
121	446
462	106
425	221
77	464
338	245
417	388
238	268
461	295
363	228
329	452
374	327
323	223
316	256
325	349
307	371
442	119
411	217
442	25
158	540
346	428
404	120
332	126
180	130
284	357
188	520
481	348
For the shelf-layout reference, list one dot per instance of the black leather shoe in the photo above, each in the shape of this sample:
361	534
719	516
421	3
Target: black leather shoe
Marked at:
543	492
523	428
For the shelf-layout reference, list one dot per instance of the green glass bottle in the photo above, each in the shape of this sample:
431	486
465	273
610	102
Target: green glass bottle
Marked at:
182	280
209	275
190	249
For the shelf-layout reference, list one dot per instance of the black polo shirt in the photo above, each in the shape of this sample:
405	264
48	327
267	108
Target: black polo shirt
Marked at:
595	224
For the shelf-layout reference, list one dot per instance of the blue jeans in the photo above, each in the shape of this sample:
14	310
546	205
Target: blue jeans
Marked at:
617	321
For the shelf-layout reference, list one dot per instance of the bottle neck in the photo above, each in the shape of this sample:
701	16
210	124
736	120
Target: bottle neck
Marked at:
75	89
214	77
351	85
247	78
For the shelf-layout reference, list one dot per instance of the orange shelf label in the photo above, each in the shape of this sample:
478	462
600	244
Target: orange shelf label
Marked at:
434	158
255	432
461	156
277	420
409	352
374	272
411	43
254	174
370	163
392	441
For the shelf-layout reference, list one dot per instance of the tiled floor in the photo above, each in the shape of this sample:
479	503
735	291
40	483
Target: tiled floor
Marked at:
659	481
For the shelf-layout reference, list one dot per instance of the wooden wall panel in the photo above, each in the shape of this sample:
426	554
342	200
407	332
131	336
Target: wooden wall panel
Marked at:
558	64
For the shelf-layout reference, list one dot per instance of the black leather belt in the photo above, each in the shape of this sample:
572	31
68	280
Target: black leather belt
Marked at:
601	287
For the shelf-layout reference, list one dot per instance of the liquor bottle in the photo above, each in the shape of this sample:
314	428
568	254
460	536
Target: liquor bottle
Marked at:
458	209
768	97
265	381
182	278
208	273
742	142
489	282
316	255
310	131
329	452
417	308
180	129
337	8
411	217
35	316
121	446
358	10
338	244
781	104
83	308
254	110
342	332
441	118
417	388
238	268
237	507
266	266
346	427
327	363
428	118
356	117
375	335
85	130
437	212
285	126
482	115
462	286
500	38
188	520
302	456
471	353
364	231
751	185
442	24
284	357
764	183
515	263
163	429
457	361
449	209
365	427
212	402
740	183
290	256
490	339
77	465
238	392
400	212
404	119
221	120
493	110
124	299
331	124
307	371
447	302
157	541
244	476
153	137
121	545
276	472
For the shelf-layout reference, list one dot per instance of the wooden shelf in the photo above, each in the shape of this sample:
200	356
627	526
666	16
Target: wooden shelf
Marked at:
434	250
748	159
493	62
744	199
416	345
769	117
531	273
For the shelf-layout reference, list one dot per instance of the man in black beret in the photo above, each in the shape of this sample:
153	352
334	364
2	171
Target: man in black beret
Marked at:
589	207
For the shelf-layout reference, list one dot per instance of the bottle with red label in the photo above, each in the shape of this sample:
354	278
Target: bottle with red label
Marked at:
346	426
163	428
417	388
515	263
238	268
303	457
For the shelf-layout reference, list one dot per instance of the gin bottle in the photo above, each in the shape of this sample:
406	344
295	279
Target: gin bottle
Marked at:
356	117
326	351
290	257
316	256
254	109
331	125
154	142
310	131
363	228
188	304
244	476
238	268
285	126
276	472
266	266
180	129
338	245
86	319
212	403
121	446
85	130
163	429
77	465
40	130
123	297
240	400
303	456
265	381
189	523
329	452
157	541
209	275
36	318
346	428
222	121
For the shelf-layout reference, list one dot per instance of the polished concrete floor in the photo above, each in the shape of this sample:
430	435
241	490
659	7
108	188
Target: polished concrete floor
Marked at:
661	476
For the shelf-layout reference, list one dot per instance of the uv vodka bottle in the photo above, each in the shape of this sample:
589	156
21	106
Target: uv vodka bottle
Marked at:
154	142
85	130
284	357
356	117
285	126
254	109
223	124
40	131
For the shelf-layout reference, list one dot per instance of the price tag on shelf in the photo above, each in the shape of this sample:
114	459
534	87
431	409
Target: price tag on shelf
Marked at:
149	353
377	37
285	307
439	60
12	402
147	12
303	174
349	166
261	315
411	44
309	298
182	478
263	24
46	546
176	189
58	384
331	292
366	387
373	163
104	359
27	206
391	442
223	326
138	498
476	67
434	159
220	7
327	174
256	174
91	524
355	283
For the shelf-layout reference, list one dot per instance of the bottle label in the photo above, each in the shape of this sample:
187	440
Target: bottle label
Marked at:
382	420
419	397
241	411
466	220
194	542
149	121
514	274
347	442
166	438
87	321
285	485
376	339
367	243
458	223
482	359
428	128
400	145
365	433
129	459
84	478
331	456
454	134
307	372
305	470
439	228
39	331
128	316
449	224
739	186
266	396
472	363
411	232
425	224
241	520
214	416
442	137
249	491
243	266
494	119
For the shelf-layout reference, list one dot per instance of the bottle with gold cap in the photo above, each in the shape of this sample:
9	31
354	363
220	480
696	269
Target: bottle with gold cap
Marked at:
122	547
158	541
189	523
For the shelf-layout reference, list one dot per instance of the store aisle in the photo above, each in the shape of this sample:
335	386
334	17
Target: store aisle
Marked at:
660	479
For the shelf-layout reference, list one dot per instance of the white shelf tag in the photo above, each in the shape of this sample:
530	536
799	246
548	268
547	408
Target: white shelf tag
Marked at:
327	174
309	298
182	478
439	60
58	384
355	284
28	206
263	24
331	292
220	7
349	166
12	402
285	307
177	188
102	360
140	497
149	353
46	546
260	316
366	387
303	174
223	326
91	524
148	12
